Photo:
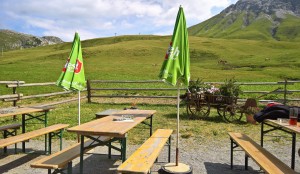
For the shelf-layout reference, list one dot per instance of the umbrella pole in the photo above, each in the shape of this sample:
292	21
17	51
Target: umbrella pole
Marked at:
177	136
177	168
78	107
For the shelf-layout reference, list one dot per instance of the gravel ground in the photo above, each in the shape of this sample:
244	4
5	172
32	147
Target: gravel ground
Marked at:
212	158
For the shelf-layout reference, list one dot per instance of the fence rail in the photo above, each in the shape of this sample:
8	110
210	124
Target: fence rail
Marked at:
282	88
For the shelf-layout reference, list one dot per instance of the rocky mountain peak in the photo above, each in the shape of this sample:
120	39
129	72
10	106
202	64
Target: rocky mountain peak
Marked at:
269	7
14	40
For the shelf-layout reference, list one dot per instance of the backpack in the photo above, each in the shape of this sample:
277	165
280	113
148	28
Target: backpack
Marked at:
273	112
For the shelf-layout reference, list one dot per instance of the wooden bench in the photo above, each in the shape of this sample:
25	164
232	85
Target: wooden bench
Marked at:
59	160
51	130
144	157
10	130
106	113
267	161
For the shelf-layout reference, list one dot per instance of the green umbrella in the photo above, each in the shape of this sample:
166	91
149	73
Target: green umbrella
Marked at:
176	66
72	76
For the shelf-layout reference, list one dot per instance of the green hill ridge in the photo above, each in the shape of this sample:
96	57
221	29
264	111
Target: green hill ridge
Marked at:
255	20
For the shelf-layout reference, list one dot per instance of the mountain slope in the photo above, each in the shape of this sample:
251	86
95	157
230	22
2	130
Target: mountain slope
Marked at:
13	40
254	19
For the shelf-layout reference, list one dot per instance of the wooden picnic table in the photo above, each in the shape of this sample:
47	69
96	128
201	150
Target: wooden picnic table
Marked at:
28	113
106	126
282	126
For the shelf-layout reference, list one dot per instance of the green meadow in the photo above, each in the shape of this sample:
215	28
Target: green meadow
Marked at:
140	58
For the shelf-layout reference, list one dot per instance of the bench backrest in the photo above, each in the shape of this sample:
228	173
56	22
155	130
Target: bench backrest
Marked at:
144	157
263	158
32	134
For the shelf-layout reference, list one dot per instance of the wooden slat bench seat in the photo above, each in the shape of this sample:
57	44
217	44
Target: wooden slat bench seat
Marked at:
10	130
144	157
59	160
11	126
29	135
267	161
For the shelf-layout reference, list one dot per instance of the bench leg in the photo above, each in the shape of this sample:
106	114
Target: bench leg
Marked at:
109	151
246	162
7	133
169	152
70	167
5	136
231	153
16	143
49	171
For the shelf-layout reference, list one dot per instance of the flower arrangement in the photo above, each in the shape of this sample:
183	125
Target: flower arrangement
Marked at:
200	87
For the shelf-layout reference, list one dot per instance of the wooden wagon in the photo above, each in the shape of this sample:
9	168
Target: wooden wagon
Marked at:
199	105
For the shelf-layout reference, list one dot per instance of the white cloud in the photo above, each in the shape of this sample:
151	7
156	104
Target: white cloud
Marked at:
99	18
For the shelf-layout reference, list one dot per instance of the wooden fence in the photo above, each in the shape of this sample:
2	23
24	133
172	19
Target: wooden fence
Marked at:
93	89
282	88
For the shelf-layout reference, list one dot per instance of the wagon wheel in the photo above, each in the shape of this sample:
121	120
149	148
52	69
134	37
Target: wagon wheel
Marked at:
196	108
232	113
220	111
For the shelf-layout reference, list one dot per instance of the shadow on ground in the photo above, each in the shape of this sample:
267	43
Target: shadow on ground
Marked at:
98	163
17	162
219	168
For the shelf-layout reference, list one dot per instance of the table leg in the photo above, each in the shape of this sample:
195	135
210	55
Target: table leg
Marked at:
262	134
151	125
23	131
60	139
293	150
81	153
49	148
123	149
46	122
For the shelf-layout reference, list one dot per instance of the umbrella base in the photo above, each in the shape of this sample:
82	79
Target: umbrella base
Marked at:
172	168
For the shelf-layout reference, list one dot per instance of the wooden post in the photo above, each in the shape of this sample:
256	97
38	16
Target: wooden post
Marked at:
285	92
14	101
88	86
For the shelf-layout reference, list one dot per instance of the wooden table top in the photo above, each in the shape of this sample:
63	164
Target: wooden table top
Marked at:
107	127
21	110
285	125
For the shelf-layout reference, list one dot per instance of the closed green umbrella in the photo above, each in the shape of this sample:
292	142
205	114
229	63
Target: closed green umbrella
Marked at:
72	76
176	67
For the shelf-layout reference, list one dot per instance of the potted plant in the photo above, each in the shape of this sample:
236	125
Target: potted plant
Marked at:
230	88
250	108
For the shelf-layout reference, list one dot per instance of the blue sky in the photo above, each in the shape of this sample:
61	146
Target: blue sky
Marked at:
103	18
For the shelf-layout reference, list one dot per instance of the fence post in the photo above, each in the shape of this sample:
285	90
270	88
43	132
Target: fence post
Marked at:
285	92
14	92
88	86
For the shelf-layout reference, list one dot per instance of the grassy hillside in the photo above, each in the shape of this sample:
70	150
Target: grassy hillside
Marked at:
249	26
140	57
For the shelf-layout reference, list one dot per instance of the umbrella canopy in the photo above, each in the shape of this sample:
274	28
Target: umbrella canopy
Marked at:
72	76
176	66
